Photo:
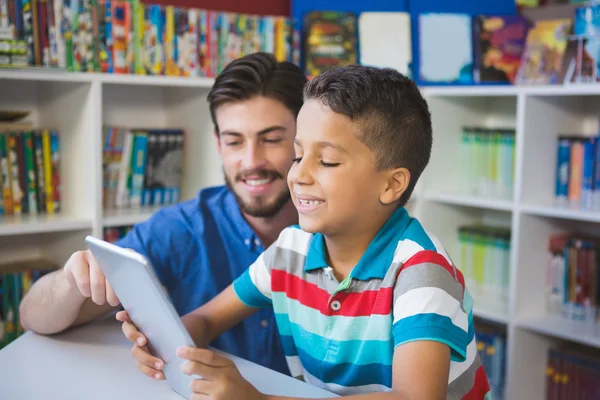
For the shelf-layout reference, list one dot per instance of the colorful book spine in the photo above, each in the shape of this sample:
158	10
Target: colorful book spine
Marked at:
5	172
576	172
153	49
563	170
17	193
587	184
48	171
169	43
39	168
138	166
137	12
56	183
30	173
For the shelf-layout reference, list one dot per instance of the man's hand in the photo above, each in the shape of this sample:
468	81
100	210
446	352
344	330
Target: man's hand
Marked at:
221	378
146	362
82	272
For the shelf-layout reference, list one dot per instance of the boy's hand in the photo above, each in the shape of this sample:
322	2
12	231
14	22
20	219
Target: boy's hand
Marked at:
221	378
146	362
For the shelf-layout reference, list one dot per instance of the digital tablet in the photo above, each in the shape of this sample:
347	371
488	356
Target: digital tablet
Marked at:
136	285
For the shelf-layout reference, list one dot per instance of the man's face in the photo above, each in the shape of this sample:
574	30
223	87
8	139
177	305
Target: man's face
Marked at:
256	144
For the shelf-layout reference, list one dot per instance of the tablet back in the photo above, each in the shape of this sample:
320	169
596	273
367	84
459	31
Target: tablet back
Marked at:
141	295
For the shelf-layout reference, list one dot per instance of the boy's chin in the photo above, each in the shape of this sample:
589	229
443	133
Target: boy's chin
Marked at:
308	225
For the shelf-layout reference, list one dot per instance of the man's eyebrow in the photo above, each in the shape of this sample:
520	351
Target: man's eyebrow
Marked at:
259	133
325	144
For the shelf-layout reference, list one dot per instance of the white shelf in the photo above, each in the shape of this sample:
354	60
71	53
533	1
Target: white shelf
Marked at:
45	75
56	75
490	315
42	223
585	89
470	201
562	328
564	212
127	216
470	91
147	80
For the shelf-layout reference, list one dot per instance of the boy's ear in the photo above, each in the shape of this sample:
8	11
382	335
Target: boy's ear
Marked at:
397	182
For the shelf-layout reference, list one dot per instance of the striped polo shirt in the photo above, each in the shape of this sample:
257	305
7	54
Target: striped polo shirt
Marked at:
341	336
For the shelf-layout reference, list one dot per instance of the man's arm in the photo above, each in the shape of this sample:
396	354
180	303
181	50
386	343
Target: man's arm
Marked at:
76	294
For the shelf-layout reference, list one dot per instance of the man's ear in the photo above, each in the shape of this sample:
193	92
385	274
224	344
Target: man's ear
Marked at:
397	181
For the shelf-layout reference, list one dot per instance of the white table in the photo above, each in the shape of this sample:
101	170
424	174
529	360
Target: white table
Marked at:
94	362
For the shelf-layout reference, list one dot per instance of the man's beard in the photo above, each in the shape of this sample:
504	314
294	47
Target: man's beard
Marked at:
258	208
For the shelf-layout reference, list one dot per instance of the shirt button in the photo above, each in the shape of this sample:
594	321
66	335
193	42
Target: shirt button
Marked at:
247	241
336	305
264	323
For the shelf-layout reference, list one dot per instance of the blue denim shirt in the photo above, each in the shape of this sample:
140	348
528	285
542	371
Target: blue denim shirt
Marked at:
198	248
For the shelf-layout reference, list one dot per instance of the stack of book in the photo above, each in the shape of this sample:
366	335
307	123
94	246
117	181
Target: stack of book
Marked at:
572	278
142	167
29	169
15	281
485	262
131	37
487	157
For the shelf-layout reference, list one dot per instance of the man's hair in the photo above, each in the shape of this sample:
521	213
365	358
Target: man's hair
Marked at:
391	115
258	74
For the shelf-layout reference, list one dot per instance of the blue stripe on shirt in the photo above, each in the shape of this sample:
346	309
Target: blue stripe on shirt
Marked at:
347	374
432	326
359	352
248	293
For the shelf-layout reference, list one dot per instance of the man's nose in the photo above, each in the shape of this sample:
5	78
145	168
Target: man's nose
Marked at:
254	157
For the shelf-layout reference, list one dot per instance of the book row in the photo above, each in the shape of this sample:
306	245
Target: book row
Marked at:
487	161
573	278
491	346
29	171
572	373
141	167
132	37
578	172
15	281
485	261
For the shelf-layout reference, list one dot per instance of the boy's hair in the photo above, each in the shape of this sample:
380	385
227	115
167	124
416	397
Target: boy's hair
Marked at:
258	74
392	117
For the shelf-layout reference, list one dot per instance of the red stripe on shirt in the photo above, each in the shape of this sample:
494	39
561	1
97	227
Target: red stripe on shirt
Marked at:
480	388
433	257
353	304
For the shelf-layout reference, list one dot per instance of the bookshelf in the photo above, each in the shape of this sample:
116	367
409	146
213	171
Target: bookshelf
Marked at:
80	103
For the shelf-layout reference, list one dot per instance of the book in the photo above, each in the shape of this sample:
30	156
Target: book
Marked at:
385	40
545	47
330	40
499	46
445	48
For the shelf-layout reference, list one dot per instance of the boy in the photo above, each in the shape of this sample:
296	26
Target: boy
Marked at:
365	299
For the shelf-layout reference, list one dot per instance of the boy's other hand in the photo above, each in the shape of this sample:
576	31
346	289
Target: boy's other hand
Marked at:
221	378
146	362
82	272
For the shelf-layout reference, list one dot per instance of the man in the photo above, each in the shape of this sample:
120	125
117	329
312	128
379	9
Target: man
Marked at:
201	246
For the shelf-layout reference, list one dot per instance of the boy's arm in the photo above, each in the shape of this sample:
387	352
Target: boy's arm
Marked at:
420	371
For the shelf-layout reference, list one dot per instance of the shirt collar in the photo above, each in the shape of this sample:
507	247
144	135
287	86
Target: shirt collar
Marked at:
234	213
378	256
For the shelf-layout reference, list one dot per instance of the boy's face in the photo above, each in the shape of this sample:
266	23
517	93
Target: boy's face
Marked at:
333	182
256	145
